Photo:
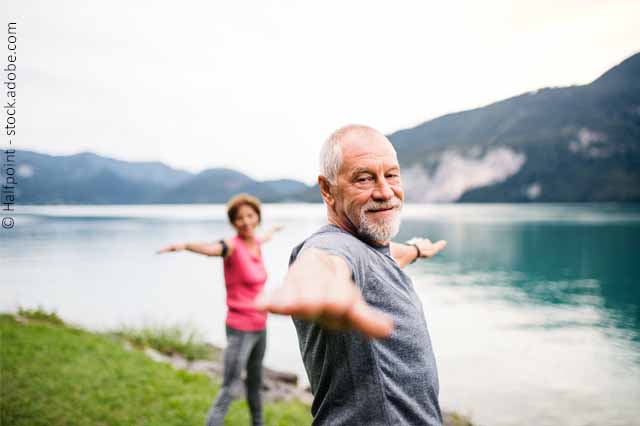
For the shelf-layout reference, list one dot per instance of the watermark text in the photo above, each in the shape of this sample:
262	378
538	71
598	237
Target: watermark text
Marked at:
8	159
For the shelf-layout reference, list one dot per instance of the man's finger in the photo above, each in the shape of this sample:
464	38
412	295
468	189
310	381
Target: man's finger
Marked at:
261	302
284	301
276	301
369	321
436	248
440	245
340	298
310	300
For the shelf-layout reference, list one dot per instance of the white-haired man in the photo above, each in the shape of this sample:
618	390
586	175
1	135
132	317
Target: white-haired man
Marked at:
345	285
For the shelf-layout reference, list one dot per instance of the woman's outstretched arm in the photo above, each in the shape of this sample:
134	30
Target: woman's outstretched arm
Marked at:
208	249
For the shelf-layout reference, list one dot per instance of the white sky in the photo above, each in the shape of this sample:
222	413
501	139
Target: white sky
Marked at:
258	85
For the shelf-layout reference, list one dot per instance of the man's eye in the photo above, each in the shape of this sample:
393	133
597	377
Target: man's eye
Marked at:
364	179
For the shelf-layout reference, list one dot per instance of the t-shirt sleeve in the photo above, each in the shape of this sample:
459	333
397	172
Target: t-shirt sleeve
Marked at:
337	244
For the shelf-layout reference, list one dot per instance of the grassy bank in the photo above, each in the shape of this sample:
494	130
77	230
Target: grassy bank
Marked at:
58	375
54	374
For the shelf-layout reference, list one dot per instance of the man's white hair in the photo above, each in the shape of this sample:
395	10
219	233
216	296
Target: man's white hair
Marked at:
331	151
331	158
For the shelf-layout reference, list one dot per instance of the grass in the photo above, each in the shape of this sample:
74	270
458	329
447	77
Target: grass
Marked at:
185	340
54	375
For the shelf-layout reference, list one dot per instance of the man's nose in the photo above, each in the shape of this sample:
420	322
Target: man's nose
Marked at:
382	191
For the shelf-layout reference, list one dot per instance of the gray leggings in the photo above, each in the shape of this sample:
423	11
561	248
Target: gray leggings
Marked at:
243	348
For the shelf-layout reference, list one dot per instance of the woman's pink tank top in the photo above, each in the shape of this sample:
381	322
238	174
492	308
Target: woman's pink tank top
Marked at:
244	276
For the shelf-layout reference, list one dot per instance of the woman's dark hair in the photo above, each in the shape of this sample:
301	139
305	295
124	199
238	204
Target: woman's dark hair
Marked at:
234	204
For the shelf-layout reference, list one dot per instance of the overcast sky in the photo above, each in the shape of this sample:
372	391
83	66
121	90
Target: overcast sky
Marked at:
257	86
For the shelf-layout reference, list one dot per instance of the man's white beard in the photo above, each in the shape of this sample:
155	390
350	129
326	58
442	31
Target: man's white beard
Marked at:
382	230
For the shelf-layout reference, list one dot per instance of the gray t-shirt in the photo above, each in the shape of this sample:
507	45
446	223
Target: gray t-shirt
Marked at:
361	381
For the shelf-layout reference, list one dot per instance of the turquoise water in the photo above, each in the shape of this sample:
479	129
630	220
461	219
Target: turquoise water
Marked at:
534	310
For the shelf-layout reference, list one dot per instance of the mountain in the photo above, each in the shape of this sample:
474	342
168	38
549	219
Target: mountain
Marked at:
567	144
218	185
571	144
88	178
286	187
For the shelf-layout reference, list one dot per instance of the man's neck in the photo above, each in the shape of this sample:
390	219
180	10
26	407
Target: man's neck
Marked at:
345	224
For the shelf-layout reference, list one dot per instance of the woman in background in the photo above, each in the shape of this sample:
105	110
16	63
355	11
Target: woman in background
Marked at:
244	276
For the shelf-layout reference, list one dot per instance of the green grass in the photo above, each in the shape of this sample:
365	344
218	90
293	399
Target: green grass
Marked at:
185	340
56	375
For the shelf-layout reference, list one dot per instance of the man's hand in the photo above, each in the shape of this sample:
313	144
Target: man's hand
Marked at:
318	287
427	248
405	254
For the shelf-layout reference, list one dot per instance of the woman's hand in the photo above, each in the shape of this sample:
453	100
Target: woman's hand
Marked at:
172	247
269	233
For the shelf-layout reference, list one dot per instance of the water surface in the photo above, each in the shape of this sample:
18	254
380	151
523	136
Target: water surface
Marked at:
534	310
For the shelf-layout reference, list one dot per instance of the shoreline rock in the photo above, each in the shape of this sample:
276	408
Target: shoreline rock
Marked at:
277	386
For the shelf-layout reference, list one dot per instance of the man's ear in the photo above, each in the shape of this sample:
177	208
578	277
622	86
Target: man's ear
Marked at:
325	191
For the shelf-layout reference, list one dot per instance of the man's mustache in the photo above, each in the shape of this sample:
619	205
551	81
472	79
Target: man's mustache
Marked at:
373	205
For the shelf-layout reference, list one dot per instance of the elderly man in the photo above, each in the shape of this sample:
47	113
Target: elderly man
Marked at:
345	285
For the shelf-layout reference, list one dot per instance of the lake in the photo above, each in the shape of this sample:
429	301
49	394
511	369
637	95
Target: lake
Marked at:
533	309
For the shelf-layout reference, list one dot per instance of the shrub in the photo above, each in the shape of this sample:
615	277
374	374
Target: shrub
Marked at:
185	340
41	315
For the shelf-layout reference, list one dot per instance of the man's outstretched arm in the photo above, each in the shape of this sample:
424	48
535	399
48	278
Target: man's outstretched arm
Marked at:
318	287
405	254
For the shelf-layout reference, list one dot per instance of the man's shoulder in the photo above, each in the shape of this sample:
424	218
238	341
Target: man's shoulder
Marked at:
331	235
330	238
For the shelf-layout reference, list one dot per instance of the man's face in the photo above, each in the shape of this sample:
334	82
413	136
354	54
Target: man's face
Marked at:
369	193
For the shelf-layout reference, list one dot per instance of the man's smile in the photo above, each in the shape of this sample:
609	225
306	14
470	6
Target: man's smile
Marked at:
381	210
